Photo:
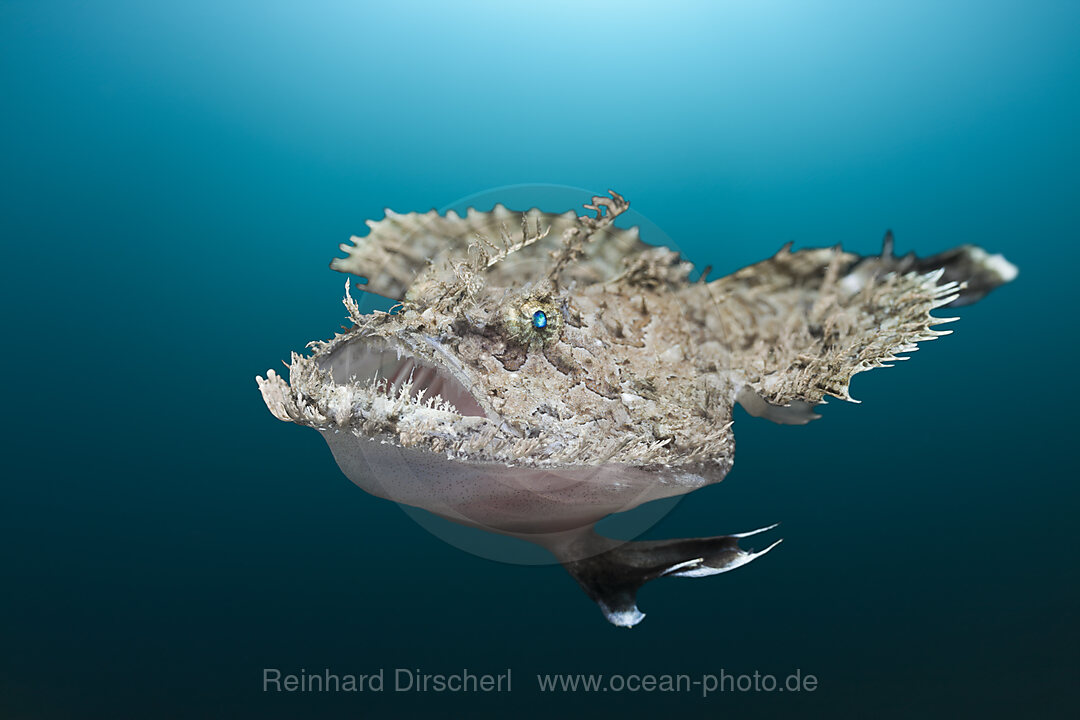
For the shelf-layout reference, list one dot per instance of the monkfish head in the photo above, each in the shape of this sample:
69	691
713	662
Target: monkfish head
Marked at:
534	353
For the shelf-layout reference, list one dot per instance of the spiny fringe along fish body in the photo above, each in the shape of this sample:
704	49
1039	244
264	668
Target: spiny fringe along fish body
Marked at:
543	371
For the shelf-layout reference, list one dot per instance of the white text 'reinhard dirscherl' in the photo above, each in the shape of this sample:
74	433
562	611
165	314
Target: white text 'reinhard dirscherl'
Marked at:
384	680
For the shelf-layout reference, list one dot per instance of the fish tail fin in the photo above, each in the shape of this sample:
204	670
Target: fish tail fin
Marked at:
975	271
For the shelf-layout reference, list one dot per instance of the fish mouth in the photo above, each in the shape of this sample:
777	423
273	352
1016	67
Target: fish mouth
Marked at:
392	369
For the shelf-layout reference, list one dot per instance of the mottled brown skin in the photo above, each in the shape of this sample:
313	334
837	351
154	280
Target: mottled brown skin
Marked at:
625	395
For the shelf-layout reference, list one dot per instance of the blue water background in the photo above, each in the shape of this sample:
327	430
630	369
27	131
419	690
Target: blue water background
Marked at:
175	177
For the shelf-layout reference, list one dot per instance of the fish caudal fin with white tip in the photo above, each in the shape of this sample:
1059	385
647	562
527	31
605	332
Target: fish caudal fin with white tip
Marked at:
799	325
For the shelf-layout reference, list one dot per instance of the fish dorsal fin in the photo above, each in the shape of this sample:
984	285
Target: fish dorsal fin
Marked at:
515	246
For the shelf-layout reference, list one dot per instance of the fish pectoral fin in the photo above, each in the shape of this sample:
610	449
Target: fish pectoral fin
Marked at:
797	412
614	572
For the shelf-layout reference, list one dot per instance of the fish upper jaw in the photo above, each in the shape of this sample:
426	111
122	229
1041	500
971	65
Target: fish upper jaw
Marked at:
393	367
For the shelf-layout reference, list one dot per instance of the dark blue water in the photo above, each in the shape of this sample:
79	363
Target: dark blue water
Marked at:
175	177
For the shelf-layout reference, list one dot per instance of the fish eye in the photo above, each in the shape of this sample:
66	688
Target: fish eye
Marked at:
531	320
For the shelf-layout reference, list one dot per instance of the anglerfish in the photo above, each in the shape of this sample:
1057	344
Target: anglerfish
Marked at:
543	371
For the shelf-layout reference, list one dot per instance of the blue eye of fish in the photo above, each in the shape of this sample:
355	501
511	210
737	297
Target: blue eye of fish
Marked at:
539	320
